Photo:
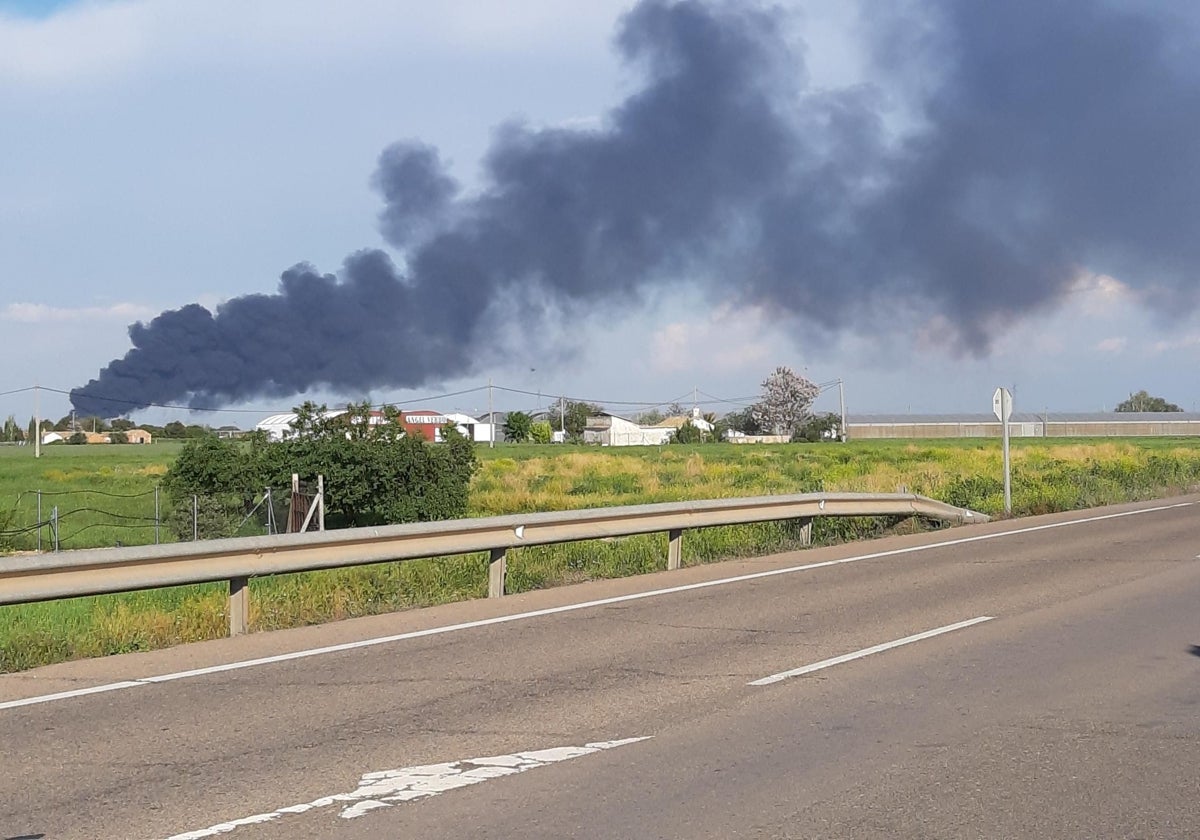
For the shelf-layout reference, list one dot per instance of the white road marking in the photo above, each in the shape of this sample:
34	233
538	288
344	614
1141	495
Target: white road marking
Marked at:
387	788
601	602
859	654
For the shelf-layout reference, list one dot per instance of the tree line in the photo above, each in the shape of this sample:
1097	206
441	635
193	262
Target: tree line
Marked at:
14	432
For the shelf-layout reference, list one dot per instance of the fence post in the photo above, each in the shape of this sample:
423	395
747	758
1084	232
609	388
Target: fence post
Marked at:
321	502
497	566
674	549
239	605
40	524
54	527
295	514
156	514
195	518
806	530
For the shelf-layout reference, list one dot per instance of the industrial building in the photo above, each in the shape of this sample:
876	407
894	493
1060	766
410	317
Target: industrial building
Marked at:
1030	424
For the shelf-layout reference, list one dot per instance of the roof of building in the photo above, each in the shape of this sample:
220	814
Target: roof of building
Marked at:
678	421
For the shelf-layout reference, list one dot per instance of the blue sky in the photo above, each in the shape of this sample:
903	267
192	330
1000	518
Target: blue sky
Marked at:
32	8
161	153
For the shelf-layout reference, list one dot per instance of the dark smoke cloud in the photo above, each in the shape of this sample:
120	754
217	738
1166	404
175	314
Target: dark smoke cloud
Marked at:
1050	137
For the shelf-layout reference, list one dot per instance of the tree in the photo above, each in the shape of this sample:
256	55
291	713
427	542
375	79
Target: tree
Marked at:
225	480
174	429
650	418
786	402
77	439
818	427
575	413
541	432
1142	401
743	421
688	433
374	473
518	427
118	437
122	424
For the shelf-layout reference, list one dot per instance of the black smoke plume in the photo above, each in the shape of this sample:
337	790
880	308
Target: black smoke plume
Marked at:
1008	147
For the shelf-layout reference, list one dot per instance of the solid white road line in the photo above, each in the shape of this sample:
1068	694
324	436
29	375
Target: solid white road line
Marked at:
859	654
504	619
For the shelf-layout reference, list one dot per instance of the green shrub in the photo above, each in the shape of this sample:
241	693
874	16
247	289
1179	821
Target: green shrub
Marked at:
374	474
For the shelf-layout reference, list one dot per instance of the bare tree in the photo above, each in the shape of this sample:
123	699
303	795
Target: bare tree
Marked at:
786	402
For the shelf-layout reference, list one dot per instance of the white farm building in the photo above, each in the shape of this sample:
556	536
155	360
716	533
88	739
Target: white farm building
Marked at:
611	430
279	426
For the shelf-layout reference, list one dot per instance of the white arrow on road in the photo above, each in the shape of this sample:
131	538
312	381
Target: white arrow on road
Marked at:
391	787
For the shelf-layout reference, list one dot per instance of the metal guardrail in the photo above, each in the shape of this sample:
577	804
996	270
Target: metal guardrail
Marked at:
71	574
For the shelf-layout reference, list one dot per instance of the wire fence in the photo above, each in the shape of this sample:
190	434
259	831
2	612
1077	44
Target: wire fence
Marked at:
53	520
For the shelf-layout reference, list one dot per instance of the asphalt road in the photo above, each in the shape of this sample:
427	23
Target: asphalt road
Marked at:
1069	708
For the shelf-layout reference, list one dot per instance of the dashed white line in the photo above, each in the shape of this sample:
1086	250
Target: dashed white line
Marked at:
504	619
859	654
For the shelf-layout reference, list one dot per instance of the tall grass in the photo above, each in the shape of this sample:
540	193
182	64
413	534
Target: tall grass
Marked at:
104	494
1048	476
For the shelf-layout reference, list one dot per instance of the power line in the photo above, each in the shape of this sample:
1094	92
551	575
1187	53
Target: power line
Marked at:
709	400
730	400
632	403
16	391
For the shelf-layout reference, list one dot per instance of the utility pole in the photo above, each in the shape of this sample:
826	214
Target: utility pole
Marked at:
842	403
562	417
37	421
491	418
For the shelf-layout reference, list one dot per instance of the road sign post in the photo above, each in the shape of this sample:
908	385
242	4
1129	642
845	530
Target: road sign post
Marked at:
1002	407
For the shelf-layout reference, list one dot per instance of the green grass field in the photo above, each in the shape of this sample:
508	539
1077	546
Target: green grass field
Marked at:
105	494
1048	475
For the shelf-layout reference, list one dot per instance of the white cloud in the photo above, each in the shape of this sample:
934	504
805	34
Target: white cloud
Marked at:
1113	344
1099	294
92	42
40	313
1176	343
729	339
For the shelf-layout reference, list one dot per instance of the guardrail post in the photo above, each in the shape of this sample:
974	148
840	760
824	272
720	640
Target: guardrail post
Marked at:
674	549
806	531
239	606
497	566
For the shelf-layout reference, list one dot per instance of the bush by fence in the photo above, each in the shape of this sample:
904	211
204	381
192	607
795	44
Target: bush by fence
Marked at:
374	473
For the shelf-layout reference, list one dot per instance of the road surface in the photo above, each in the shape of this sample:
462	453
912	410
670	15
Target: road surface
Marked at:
1026	679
